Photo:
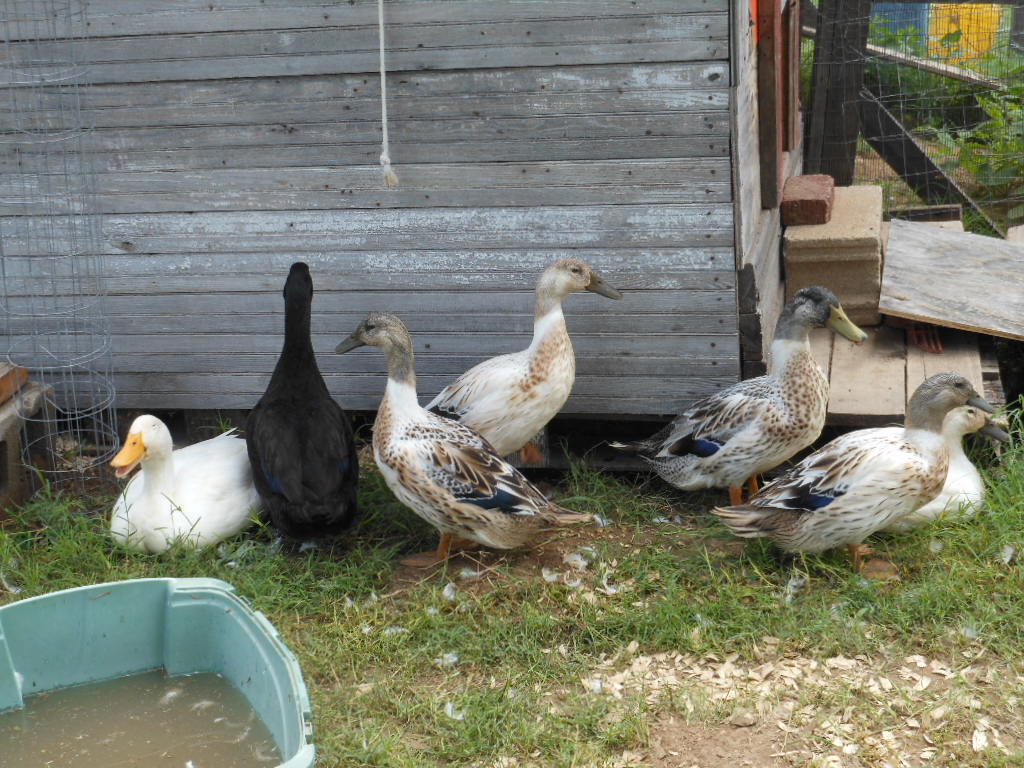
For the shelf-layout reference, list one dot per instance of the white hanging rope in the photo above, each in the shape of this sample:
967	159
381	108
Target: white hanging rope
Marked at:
390	177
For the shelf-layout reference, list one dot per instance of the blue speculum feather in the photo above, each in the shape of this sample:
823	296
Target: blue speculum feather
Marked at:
273	482
704	448
816	501
500	500
343	465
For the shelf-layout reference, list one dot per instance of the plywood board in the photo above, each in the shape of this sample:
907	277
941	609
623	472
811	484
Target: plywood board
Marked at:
953	279
868	380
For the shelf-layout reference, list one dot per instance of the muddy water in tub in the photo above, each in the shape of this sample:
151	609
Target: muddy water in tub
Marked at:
142	721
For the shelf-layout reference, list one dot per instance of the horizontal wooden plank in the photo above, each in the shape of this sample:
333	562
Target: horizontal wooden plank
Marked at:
447	365
416	46
373	383
868	381
507	92
647	269
425	322
141	17
466	301
143	150
577	404
568	227
589	182
621	344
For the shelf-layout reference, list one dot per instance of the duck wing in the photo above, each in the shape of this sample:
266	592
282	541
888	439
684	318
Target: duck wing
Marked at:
710	423
856	480
466	466
483	384
302	453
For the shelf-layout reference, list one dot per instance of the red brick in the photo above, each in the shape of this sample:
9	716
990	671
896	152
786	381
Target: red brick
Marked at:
808	199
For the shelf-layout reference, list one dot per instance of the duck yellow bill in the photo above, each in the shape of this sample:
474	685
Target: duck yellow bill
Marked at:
130	455
841	324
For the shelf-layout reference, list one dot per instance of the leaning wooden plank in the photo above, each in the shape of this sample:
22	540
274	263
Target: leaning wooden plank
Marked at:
960	355
925	65
867	382
890	139
953	279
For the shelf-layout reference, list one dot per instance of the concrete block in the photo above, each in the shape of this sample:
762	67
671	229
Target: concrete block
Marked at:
808	199
856	223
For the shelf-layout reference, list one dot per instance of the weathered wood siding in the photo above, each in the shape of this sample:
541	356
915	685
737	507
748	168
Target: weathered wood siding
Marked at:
234	137
760	287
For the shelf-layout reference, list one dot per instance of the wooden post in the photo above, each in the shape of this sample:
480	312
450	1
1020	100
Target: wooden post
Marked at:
791	75
770	100
839	53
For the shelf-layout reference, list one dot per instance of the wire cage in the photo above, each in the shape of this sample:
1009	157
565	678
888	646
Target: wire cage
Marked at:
51	266
938	92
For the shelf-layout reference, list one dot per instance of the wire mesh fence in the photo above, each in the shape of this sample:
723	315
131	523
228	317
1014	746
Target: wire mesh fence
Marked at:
51	267
935	92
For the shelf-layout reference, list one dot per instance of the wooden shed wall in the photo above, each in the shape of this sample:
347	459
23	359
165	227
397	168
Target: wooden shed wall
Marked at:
760	286
234	137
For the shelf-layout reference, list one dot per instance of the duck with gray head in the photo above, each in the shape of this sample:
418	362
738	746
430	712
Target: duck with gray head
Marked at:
300	441
861	481
754	425
508	399
444	471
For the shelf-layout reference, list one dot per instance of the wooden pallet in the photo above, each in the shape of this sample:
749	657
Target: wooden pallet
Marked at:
870	383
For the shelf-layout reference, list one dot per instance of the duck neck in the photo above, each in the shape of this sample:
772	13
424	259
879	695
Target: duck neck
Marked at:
552	322
298	346
791	341
401	385
922	417
786	352
158	476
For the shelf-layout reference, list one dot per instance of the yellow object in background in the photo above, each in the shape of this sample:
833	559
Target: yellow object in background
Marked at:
977	24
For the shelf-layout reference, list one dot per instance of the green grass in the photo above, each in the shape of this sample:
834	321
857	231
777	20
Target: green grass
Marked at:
368	634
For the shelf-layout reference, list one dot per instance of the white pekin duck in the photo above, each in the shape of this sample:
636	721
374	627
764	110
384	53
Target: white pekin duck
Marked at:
200	494
508	399
443	470
964	491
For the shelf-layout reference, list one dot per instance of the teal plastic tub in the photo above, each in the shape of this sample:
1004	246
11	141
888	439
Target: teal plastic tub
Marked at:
184	626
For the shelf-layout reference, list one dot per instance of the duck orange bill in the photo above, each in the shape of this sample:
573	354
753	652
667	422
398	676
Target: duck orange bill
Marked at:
130	455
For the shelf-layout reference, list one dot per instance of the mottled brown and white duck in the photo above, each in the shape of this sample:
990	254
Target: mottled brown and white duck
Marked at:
508	399
444	471
861	481
754	425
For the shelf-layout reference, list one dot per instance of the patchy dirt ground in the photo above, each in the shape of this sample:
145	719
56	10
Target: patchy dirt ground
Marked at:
676	744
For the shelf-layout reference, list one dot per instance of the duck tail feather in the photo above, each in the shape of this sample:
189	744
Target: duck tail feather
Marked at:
745	521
